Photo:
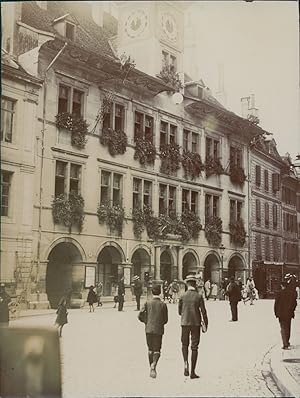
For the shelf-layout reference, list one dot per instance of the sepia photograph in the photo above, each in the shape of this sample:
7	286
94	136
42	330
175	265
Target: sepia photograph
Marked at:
150	199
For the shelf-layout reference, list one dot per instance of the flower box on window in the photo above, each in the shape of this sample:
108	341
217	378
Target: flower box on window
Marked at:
237	175
192	164
112	215
68	210
115	140
213	166
76	125
170	158
213	230
145	151
237	232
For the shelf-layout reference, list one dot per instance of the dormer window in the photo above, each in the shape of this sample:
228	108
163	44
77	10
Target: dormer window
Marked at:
70	31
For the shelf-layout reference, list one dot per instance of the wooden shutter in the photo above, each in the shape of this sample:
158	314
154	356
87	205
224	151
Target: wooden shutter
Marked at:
257	175
275	182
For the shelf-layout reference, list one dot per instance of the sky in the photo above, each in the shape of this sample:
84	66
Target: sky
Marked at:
257	44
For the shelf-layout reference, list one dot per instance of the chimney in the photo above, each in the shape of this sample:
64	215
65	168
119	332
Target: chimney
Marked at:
97	13
249	111
245	103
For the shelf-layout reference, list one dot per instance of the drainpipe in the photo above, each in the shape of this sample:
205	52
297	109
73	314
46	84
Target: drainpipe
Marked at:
42	162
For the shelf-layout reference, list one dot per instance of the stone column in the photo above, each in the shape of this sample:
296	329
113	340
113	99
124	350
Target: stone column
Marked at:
157	263
127	270
179	262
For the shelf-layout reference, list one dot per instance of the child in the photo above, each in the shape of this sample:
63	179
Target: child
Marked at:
92	298
62	314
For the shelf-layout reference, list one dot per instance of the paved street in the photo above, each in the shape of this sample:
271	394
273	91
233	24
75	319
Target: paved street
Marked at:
104	353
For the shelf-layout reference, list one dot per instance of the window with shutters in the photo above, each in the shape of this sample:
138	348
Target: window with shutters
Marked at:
266	178
142	193
267	215
258	251
257	211
6	178
267	248
275	216
257	175
275	182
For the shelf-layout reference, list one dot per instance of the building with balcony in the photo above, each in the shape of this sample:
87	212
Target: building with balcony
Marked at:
135	174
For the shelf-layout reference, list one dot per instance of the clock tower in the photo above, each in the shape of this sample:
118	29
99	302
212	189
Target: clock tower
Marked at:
152	34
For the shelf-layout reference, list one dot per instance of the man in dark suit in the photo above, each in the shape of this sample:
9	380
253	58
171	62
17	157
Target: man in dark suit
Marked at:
137	290
284	309
155	315
234	293
121	294
191	307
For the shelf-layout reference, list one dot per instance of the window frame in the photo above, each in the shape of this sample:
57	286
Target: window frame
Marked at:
141	194
257	175
167	58
167	133
70	99
12	119
212	205
258	212
188	143
9	192
68	178
212	147
235	210
111	123
267	214
189	203
166	199
143	125
266	180
111	188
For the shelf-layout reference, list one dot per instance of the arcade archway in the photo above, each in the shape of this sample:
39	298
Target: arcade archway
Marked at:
236	267
108	260
64	270
211	268
189	265
140	263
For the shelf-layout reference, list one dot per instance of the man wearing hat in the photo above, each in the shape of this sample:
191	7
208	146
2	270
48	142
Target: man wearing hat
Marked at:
137	290
234	293
4	310
284	309
155	315
191	308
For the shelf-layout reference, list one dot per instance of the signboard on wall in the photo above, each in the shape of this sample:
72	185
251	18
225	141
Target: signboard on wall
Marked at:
90	276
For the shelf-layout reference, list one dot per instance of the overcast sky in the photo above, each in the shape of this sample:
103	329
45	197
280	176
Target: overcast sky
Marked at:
258	45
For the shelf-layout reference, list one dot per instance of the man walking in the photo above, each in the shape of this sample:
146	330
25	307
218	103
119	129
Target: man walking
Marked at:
234	293
284	309
4	309
137	290
155	315
191	308
121	294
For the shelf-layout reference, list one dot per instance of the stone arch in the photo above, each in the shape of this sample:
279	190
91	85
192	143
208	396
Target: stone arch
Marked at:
167	265
212	265
65	271
66	239
109	267
190	263
141	261
237	266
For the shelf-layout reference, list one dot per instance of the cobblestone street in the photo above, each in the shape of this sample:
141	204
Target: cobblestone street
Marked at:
104	353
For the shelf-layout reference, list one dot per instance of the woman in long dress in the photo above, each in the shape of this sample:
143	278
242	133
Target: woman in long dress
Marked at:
62	314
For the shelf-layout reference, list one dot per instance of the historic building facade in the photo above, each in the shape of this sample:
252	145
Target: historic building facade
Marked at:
130	178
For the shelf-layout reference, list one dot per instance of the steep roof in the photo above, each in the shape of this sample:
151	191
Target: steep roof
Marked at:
89	36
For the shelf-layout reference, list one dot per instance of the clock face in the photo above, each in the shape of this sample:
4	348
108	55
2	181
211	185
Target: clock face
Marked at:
169	26
136	23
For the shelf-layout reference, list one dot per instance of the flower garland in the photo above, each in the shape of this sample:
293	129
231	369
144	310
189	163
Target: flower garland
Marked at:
237	175
114	216
145	151
76	125
237	232
213	166
213	230
68	211
115	140
138	219
170	158
192	164
169	76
